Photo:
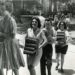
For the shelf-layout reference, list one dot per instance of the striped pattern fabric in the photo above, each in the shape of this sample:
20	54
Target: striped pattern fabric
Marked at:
61	37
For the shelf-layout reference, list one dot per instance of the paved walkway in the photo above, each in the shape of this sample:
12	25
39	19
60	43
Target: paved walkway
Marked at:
69	64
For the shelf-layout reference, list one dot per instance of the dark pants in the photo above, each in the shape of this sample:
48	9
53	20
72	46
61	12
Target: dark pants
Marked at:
46	60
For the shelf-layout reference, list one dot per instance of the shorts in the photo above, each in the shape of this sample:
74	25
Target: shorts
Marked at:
61	49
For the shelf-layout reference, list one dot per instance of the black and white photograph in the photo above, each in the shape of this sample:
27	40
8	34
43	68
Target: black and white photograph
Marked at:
37	37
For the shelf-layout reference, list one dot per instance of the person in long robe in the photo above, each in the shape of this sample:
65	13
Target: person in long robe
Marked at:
10	54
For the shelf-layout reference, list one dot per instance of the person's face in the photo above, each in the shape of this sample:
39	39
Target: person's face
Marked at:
2	8
34	23
62	26
47	24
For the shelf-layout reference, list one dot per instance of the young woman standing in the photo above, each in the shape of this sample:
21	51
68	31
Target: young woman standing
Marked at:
61	45
37	33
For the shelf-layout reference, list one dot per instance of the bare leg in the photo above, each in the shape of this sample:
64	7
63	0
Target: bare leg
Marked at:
57	60
31	70
62	63
62	60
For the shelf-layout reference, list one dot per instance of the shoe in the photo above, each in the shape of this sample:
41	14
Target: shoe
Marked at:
57	67
61	71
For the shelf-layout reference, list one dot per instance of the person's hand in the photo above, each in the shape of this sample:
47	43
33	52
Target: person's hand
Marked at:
40	46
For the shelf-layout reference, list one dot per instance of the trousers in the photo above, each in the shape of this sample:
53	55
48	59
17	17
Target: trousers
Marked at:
46	59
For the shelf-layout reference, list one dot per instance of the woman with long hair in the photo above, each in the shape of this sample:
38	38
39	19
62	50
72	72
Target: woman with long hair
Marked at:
35	32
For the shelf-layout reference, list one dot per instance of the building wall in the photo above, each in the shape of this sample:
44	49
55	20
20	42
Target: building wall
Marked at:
73	1
46	5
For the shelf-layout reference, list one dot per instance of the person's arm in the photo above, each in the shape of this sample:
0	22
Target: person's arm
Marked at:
12	26
69	39
44	40
54	35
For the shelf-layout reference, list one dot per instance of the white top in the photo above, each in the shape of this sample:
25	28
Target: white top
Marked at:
40	36
30	32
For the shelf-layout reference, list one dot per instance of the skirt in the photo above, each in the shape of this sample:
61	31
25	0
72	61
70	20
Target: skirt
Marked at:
10	54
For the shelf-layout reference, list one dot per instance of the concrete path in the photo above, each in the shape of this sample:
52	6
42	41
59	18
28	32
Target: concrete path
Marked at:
69	64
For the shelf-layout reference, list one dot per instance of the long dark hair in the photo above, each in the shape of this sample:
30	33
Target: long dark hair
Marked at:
38	20
65	26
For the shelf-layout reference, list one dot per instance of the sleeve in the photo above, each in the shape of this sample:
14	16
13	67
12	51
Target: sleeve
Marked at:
68	37
29	33
14	26
67	33
54	32
26	33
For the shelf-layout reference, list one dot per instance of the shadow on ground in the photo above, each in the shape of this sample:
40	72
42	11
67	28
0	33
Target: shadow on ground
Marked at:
68	72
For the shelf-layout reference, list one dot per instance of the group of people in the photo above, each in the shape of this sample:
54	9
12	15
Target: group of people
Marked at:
48	35
10	54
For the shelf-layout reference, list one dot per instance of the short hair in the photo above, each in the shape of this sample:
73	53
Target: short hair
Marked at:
65	26
38	20
9	6
48	19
